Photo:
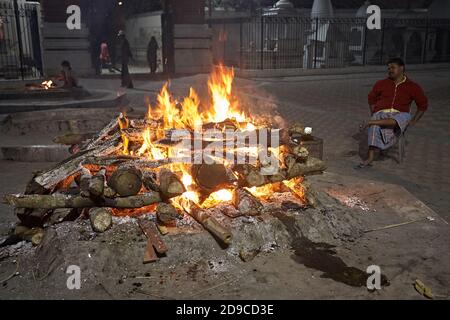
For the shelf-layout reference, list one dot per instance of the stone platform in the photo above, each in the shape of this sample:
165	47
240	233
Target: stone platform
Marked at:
13	101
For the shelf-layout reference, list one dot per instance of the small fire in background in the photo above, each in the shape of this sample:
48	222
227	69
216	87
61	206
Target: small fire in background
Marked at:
48	84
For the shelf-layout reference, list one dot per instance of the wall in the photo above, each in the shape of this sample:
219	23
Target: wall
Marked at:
139	29
192	48
61	43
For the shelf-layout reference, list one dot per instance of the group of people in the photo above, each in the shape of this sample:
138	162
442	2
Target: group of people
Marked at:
67	75
126	55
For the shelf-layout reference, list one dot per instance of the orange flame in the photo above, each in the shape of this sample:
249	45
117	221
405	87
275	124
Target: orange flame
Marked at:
148	148
47	84
224	105
296	187
192	113
124	123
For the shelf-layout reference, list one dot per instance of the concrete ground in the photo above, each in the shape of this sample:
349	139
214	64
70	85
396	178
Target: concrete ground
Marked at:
333	105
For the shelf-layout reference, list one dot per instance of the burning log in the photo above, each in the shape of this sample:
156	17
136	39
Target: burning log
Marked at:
126	181
85	179
108	130
143	123
124	160
246	203
250	176
73	164
150	182
109	192
138	201
170	185
101	219
225	124
289	160
300	152
53	201
59	200
310	166
97	183
167	214
135	135
212	225
278	177
34	235
212	177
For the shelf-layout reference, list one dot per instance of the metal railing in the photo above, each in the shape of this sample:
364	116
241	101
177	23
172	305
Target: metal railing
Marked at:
299	42
20	43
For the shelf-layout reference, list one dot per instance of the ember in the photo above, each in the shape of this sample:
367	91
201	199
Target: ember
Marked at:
187	154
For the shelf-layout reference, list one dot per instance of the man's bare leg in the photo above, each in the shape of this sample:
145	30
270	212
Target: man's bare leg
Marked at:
370	158
383	123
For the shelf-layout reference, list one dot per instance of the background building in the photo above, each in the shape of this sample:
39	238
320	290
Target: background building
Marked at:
326	34
192	35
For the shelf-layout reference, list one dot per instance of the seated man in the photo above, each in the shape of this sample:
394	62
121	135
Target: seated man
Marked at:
67	76
390	104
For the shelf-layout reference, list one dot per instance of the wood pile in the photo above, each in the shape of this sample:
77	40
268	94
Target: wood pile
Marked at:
101	177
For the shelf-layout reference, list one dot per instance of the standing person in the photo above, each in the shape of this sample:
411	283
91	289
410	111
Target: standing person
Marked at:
390	103
152	54
105	59
125	55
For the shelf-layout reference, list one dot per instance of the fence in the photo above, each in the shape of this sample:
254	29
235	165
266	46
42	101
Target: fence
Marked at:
299	42
20	44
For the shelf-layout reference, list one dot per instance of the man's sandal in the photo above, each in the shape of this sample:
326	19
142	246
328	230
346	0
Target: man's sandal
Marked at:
362	166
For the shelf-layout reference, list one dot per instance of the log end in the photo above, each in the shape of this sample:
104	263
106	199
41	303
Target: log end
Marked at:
219	231
101	219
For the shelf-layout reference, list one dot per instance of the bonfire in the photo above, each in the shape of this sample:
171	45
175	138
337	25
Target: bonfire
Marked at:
183	158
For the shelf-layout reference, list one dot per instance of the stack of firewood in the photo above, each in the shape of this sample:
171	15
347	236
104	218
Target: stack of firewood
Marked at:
98	179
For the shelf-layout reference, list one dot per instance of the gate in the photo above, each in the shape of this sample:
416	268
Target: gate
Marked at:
20	42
